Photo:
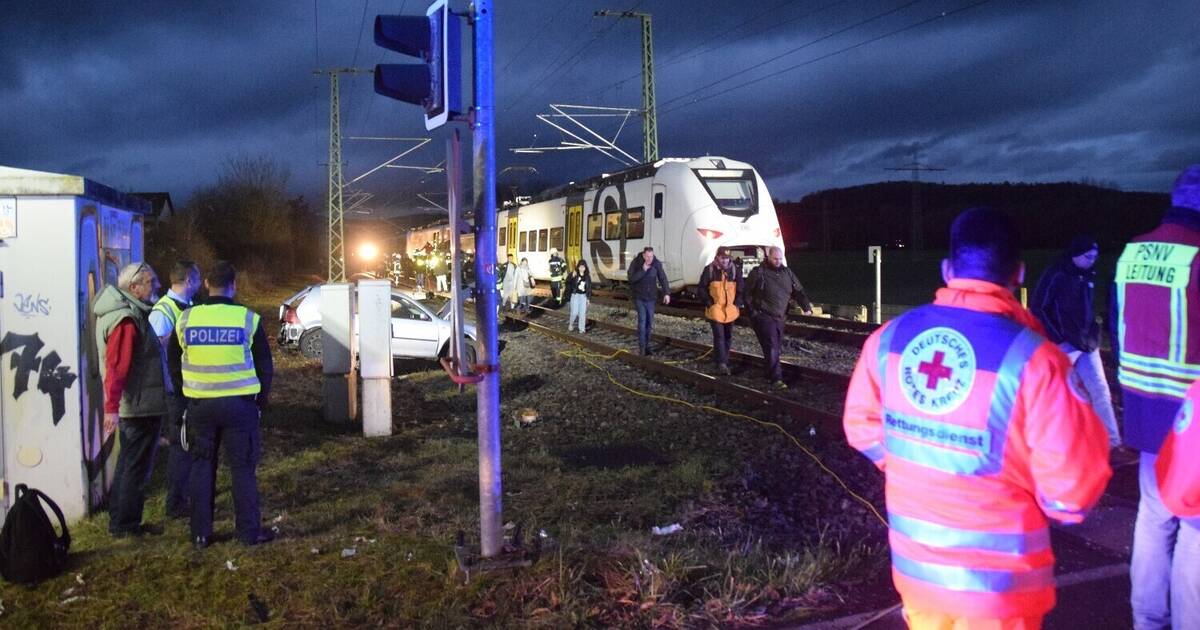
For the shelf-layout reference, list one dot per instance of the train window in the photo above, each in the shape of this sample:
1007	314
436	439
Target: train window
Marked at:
635	224
734	191
502	241
658	205
533	240
556	238
543	240
593	227
524	243
612	226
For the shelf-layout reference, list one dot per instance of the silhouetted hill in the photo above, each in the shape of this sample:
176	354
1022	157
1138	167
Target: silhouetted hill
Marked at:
1048	214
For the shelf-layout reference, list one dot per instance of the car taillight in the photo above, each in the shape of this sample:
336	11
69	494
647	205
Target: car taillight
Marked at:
707	233
289	315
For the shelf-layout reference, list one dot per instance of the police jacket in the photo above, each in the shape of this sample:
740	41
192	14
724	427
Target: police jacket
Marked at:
967	410
1155	303
647	284
260	353
770	288
1062	301
1177	467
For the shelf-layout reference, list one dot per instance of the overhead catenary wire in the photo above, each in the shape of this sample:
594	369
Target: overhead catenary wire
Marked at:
576	57
529	41
943	14
791	51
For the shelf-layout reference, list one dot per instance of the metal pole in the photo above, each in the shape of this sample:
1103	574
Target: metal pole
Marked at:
879	286
488	402
454	188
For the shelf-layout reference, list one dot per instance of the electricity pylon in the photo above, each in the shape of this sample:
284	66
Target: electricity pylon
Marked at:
336	235
649	109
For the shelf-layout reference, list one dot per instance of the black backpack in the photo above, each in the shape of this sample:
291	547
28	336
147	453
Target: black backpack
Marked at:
30	549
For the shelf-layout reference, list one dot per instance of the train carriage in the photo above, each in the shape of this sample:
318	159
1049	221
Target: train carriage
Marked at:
683	208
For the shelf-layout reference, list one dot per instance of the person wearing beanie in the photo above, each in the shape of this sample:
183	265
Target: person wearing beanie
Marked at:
720	288
1155	306
1063	303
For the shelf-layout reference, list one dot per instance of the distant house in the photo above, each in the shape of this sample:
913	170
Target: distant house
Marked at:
161	208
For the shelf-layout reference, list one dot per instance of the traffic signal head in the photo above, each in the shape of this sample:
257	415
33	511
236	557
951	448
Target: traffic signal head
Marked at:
436	83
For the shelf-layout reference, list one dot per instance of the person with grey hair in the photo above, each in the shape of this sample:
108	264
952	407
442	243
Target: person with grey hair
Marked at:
769	288
131	362
1155	302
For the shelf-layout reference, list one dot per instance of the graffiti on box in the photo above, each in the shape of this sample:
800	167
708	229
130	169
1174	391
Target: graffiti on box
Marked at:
29	305
54	379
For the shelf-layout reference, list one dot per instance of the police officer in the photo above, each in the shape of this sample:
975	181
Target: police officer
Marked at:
558	273
185	282
1157	302
221	357
968	411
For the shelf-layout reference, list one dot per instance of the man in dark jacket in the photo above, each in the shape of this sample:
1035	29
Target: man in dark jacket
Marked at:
1062	301
768	290
720	288
647	281
134	394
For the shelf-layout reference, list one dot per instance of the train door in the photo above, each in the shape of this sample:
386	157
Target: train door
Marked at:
512	235
574	235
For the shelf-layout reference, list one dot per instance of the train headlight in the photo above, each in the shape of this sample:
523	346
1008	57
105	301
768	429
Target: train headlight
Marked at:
711	234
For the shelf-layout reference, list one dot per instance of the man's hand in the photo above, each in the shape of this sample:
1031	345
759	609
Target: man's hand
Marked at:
808	312
110	423
666	299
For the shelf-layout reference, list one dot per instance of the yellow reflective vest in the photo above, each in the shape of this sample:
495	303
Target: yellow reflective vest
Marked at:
216	340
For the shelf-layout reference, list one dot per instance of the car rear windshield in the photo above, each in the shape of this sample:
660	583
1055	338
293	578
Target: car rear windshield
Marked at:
735	191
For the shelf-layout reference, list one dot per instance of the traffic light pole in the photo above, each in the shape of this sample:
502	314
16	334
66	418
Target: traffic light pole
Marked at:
488	392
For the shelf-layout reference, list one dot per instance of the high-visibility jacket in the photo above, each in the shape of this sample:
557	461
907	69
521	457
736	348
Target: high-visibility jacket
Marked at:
169	308
1156	296
968	411
558	269
722	294
1178	467
217	360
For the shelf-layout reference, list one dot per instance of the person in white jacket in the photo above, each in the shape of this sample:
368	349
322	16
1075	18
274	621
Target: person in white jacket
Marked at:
524	282
508	288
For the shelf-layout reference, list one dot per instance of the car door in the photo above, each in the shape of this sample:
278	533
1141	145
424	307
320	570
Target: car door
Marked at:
414	332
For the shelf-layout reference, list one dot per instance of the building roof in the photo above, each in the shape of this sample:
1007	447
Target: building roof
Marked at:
29	183
159	202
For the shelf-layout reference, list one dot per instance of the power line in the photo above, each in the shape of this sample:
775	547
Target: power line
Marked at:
708	47
530	40
580	51
821	58
818	40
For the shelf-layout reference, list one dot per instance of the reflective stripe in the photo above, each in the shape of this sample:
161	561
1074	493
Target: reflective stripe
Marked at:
874	452
1185	371
1151	384
976	580
222	385
1178	324
216	369
885	346
925	441
946	537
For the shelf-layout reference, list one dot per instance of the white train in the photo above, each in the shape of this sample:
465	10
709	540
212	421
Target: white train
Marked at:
683	208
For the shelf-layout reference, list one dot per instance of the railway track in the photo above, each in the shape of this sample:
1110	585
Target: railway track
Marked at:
813	396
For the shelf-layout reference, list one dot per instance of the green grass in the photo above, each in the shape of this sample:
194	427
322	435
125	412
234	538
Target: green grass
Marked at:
594	487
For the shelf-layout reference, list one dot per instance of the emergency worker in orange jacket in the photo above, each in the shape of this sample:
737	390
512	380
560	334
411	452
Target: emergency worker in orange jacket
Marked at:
1156	312
720	288
968	411
1178	467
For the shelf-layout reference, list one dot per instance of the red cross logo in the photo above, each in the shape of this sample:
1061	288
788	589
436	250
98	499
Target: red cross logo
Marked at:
934	371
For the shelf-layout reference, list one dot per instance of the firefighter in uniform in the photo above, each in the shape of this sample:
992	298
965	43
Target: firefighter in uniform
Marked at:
222	358
185	281
968	411
1156	299
558	273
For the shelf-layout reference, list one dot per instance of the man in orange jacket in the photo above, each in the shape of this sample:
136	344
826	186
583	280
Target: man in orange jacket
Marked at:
968	411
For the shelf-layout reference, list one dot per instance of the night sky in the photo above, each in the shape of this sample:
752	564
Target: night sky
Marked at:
155	96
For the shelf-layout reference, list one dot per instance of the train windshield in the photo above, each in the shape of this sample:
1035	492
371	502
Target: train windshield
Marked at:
735	191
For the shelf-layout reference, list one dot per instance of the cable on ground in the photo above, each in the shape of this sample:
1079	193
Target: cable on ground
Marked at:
587	357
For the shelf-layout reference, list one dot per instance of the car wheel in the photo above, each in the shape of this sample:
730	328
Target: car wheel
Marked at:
310	343
470	352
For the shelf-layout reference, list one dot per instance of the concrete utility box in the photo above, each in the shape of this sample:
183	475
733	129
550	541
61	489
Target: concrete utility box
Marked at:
62	239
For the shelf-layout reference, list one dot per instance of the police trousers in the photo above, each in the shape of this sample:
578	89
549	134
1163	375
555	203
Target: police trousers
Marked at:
232	422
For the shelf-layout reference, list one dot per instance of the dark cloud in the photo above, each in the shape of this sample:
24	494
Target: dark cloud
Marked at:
157	95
